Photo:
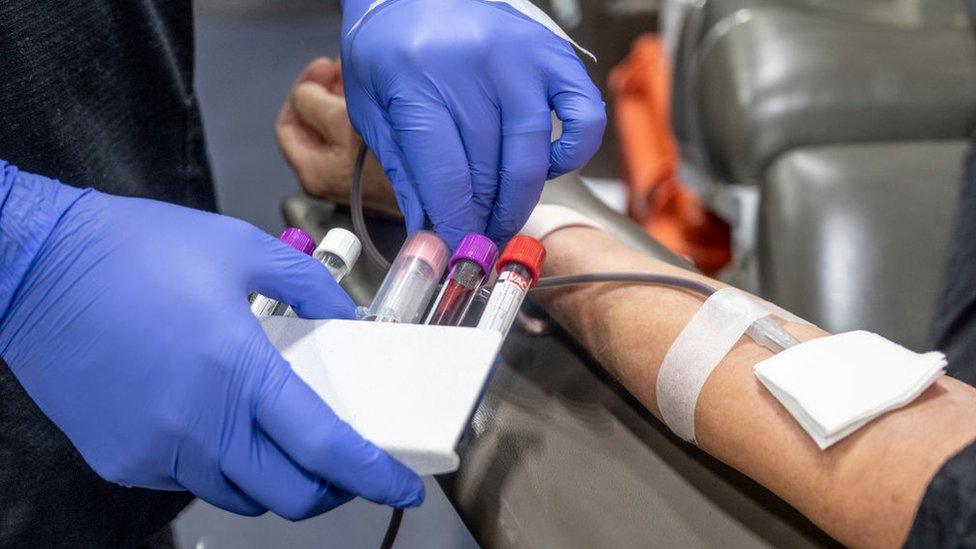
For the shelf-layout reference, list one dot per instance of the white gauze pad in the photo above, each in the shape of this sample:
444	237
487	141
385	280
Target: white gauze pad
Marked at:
527	8
711	334
835	385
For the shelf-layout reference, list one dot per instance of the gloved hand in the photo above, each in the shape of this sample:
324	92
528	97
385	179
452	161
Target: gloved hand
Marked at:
126	320
454	98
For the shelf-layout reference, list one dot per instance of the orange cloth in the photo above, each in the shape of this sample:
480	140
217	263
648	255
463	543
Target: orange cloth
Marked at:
668	210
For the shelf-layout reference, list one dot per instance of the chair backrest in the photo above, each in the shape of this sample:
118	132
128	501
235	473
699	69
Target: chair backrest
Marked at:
857	236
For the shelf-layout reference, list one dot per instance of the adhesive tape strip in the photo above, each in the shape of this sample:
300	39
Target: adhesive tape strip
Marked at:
711	334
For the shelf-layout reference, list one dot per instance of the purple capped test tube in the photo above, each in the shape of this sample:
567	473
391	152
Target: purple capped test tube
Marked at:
469	267
301	241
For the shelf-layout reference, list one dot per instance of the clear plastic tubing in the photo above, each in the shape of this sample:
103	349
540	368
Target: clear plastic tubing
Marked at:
467	271
338	251
518	269
301	241
411	280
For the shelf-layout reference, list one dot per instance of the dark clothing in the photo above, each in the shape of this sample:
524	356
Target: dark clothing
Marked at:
954	328
94	93
100	93
947	515
49	496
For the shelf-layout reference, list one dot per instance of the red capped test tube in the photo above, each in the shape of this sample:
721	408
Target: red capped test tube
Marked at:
518	269
468	270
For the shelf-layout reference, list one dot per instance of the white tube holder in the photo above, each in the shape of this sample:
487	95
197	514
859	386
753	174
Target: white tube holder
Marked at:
411	389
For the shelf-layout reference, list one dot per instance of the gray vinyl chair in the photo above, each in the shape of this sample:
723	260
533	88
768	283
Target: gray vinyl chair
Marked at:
848	121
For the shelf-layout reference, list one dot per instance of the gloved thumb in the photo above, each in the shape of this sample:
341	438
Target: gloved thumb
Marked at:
286	274
578	105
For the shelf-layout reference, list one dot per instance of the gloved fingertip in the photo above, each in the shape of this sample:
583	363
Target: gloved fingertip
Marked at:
338	313
507	222
413	212
412	493
338	305
566	156
344	311
397	485
418	497
459	225
499	238
584	121
347	313
253	512
451	237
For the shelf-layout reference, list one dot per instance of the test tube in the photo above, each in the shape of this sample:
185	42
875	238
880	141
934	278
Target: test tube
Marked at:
338	251
518	269
411	280
467	271
301	241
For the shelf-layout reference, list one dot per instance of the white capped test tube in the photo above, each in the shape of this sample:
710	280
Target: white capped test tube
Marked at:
338	251
265	306
518	269
411	280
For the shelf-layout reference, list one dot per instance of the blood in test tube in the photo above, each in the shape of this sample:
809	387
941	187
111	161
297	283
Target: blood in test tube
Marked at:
301	241
411	280
518	269
469	268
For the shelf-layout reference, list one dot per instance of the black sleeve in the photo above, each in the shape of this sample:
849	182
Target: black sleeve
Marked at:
954	327
50	497
947	514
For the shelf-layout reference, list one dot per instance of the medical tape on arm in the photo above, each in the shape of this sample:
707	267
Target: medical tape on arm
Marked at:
700	347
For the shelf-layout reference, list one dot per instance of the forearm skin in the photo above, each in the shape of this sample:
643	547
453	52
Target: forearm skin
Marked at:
864	490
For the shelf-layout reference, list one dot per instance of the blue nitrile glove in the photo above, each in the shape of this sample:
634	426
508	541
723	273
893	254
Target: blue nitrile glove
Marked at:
454	98
126	320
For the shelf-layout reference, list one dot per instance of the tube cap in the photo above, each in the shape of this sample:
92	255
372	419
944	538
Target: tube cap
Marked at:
341	243
298	239
427	247
477	248
525	251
